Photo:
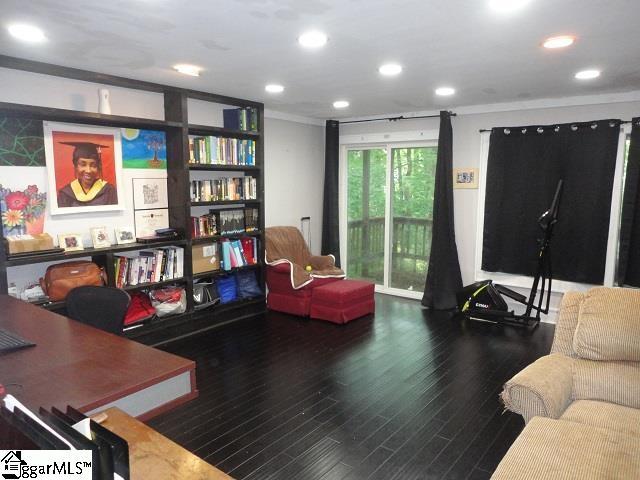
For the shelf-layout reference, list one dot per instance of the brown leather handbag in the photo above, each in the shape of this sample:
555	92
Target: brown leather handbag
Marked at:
61	278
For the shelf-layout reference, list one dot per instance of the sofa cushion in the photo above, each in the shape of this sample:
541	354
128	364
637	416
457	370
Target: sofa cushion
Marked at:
559	449
566	323
605	415
616	382
609	325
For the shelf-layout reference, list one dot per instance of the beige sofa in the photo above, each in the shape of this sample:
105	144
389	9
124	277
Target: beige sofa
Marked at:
581	402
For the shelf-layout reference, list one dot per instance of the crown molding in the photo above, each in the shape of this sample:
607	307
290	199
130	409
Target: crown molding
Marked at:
542	103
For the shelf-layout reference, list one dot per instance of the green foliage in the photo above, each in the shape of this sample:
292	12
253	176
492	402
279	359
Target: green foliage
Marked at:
413	181
412	190
356	160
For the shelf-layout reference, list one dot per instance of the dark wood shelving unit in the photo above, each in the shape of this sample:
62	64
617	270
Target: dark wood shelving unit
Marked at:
151	285
88	252
213	238
225	202
223	132
224	168
217	273
177	129
89	118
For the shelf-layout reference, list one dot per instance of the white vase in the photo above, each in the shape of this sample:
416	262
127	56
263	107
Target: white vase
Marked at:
103	101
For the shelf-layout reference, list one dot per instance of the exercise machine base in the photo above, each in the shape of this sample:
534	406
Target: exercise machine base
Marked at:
502	317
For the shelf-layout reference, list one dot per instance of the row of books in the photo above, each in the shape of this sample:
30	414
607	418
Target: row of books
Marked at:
245	119
211	150
238	253
225	222
149	266
225	188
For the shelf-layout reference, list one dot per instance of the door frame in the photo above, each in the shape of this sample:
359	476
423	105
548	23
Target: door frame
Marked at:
423	138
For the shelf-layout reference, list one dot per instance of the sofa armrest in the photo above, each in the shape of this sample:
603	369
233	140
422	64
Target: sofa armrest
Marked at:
544	388
322	262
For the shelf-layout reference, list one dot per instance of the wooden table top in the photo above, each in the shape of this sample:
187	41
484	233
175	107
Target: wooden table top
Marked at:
75	364
152	455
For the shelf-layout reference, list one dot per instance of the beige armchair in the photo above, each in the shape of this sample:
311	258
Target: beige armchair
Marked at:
581	402
595	357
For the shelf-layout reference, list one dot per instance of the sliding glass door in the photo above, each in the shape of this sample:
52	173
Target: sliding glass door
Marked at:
366	204
388	207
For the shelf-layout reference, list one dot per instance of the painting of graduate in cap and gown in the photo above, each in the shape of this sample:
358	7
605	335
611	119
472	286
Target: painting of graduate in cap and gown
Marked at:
84	168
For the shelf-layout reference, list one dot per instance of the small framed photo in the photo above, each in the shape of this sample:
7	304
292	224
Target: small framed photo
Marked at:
150	193
100	237
465	178
70	241
125	235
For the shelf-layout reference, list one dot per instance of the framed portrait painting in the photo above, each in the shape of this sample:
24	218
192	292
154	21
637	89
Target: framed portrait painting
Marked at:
84	168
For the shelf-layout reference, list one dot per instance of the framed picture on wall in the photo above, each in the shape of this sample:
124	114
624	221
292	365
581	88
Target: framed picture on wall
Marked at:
149	193
84	168
465	178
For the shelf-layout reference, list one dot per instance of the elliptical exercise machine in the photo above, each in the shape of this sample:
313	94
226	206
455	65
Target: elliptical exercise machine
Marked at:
484	300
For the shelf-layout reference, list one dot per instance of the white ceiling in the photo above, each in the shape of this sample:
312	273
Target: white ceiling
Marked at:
244	44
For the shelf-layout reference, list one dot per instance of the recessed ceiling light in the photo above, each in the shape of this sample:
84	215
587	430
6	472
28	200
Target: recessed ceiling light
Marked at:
27	33
312	39
274	88
587	74
445	91
390	69
559	42
192	70
506	6
340	104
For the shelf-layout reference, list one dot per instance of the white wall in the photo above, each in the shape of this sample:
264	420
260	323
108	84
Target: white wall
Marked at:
294	175
466	153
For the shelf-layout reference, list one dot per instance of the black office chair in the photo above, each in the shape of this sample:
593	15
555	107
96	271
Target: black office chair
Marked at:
100	307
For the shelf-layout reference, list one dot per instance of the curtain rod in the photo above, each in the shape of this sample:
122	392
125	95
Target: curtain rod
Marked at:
393	119
483	130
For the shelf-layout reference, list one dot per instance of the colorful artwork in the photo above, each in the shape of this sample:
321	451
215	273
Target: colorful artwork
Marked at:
143	149
22	210
21	143
83	168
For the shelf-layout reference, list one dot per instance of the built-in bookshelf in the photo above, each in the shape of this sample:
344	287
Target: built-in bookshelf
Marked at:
229	168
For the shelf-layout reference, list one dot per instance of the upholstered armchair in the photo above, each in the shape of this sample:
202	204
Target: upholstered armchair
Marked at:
592	374
292	272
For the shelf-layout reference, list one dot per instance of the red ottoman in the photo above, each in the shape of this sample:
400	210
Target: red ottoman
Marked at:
341	302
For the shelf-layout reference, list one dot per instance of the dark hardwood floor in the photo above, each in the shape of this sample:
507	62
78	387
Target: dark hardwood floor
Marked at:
406	394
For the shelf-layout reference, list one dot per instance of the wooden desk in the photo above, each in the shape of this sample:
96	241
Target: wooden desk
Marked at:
152	455
74	364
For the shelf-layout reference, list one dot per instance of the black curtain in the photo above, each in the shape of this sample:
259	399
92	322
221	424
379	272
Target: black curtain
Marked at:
330	219
524	166
443	274
629	253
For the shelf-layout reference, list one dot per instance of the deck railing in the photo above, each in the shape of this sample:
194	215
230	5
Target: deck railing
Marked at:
411	244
